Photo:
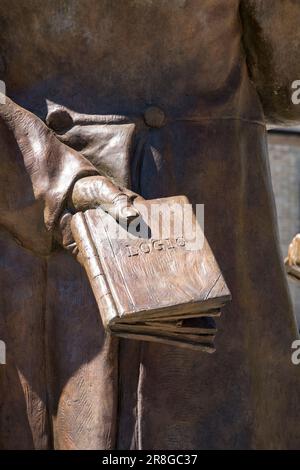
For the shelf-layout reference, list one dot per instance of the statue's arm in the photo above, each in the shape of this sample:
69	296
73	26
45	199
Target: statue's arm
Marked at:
43	179
36	169
271	37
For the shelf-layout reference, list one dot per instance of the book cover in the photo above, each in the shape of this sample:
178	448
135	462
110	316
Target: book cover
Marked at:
149	277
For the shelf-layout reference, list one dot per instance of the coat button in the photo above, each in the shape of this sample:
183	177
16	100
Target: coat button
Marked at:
154	117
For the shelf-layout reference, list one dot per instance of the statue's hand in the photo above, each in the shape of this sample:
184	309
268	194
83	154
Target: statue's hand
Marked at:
294	252
91	192
94	191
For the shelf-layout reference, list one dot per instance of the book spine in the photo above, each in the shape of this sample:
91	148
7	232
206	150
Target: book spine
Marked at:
89	258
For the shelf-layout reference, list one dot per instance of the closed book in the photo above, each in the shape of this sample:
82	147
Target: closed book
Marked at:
151	277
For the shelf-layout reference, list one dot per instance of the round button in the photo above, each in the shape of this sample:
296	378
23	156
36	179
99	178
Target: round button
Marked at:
154	117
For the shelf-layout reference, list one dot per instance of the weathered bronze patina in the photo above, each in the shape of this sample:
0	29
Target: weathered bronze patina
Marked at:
166	97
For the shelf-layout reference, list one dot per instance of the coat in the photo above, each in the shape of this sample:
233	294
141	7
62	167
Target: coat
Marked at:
168	97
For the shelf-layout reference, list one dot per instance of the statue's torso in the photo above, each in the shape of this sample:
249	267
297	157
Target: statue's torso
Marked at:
184	53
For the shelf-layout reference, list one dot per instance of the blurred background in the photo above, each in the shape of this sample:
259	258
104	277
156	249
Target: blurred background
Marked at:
284	152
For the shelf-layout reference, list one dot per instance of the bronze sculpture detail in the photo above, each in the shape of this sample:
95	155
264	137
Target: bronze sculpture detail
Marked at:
165	98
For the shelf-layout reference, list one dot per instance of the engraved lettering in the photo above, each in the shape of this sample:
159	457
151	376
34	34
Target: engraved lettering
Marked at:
132	250
145	248
180	241
158	245
155	245
169	244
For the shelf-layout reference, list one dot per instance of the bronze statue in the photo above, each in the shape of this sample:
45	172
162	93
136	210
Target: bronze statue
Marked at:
292	261
165	97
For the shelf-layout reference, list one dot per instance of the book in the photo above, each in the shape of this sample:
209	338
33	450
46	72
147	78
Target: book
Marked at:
155	279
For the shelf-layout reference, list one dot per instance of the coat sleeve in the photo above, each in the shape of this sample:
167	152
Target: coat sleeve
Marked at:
37	172
271	37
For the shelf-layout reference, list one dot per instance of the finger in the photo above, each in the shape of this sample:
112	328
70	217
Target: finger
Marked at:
63	233
122	209
132	195
94	191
